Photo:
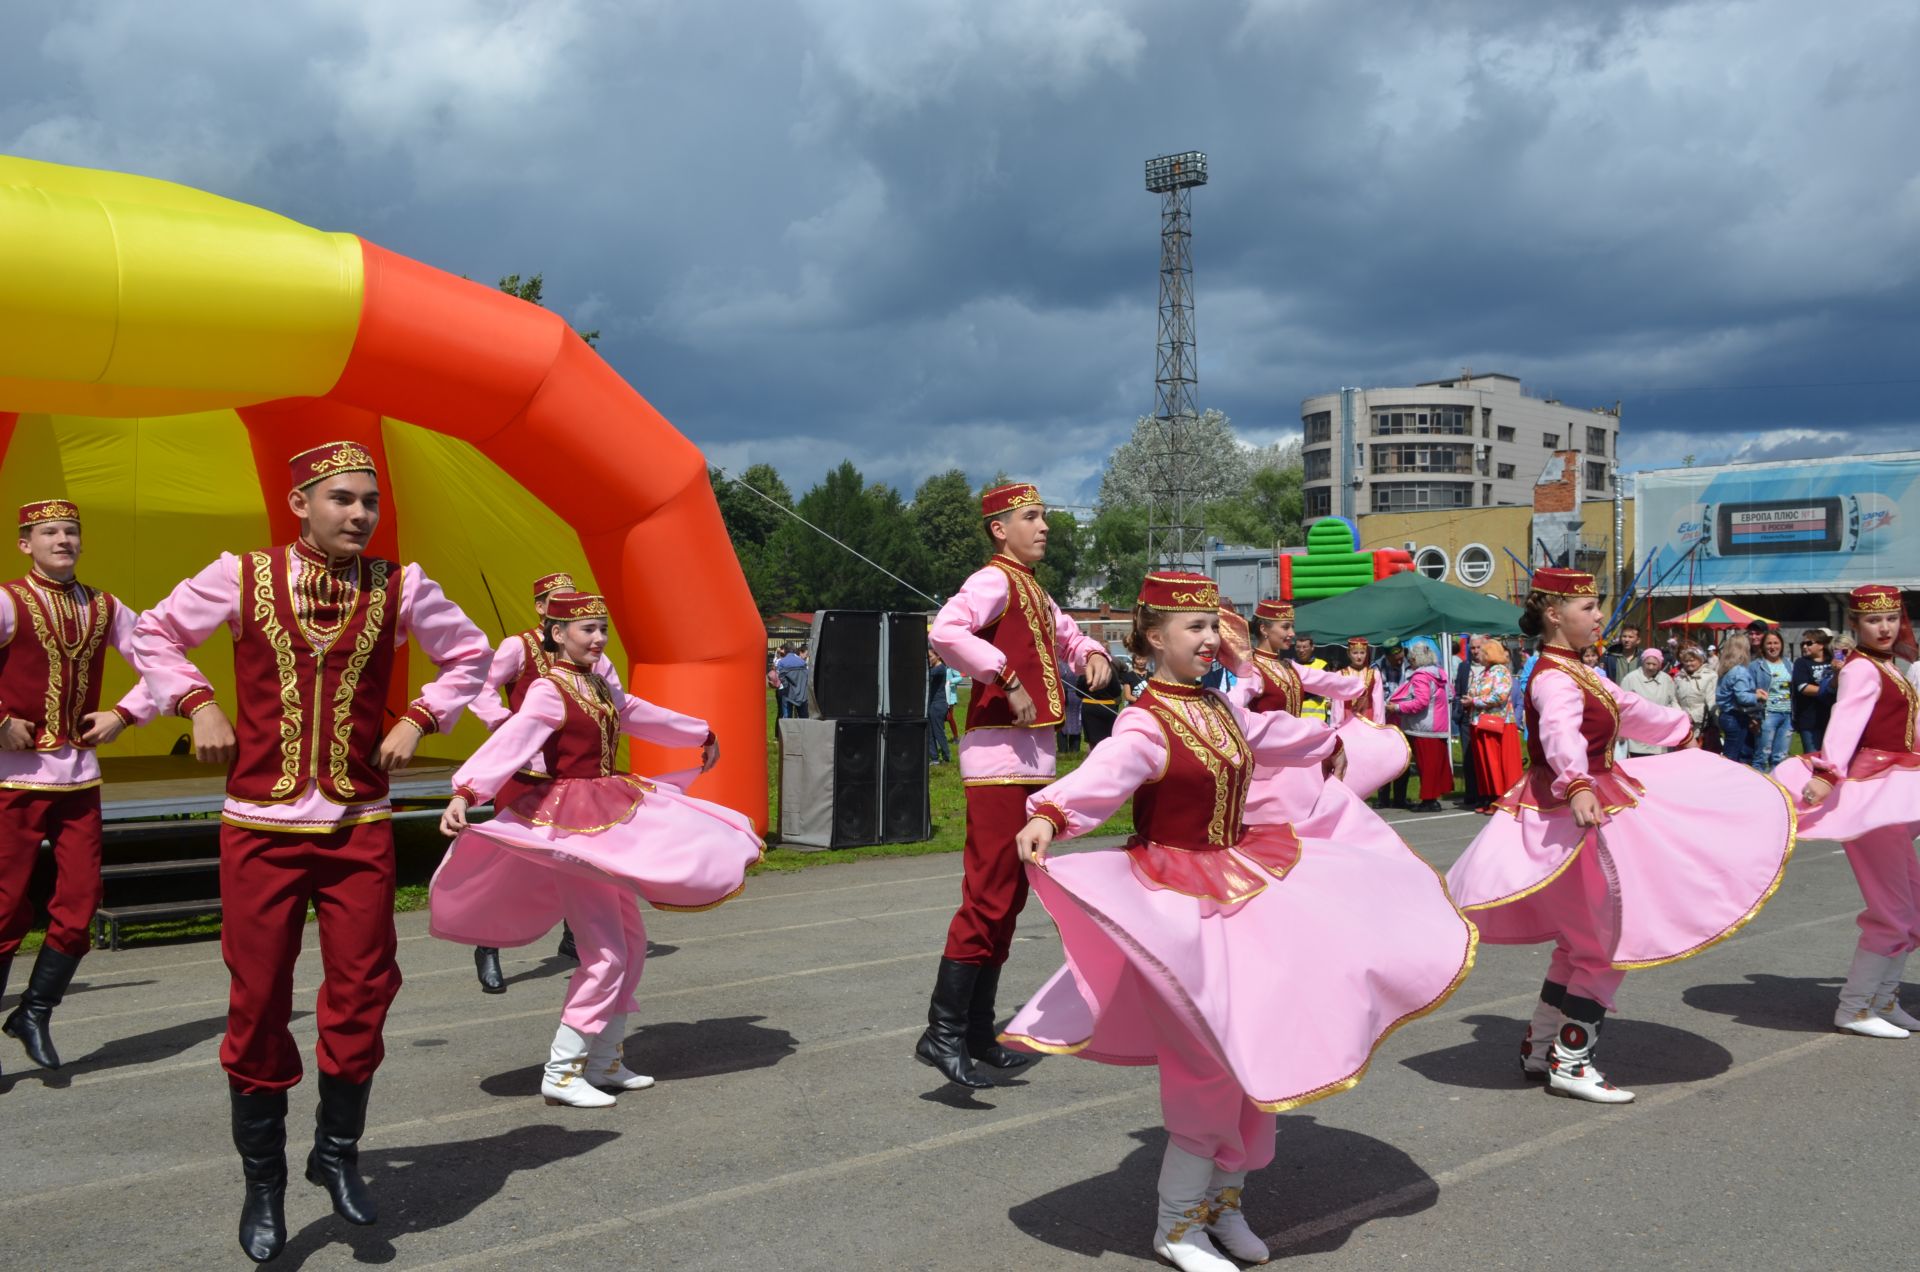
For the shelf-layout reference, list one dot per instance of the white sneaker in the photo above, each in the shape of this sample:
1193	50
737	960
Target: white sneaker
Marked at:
563	1081
1868	1024
606	1062
1572	1072
1227	1226
1181	1235
1857	1013
1886	1003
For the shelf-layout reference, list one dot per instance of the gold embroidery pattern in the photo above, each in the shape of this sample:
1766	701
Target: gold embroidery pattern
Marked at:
537	658
292	718
72	633
349	686
1906	690
51	510
1276	671
348	457
55	680
1038	613
1593	687
1229	795
598	710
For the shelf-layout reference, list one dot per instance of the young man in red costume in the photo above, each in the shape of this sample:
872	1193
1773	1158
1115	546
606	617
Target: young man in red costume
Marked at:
517	664
54	635
315	624
1002	630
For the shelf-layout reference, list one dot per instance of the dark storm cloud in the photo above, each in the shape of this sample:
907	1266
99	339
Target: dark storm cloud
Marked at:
913	231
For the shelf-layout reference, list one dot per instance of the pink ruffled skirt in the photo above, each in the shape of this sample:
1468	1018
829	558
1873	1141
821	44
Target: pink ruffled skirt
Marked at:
1692	847
1376	754
1885	792
1290	988
496	885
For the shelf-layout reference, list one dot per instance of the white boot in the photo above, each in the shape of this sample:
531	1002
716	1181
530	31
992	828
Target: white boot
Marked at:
1228	1227
1856	1014
606	1063
1572	1072
1886	1003
1181	1237
1536	1049
563	1082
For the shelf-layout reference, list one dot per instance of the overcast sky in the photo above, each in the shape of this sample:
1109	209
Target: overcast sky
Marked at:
914	232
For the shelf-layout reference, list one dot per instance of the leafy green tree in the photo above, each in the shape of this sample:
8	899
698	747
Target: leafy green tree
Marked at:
1266	514
1216	466
531	289
870	519
751	525
946	521
1118	553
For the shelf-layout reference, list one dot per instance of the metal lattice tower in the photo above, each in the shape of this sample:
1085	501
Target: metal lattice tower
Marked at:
1171	540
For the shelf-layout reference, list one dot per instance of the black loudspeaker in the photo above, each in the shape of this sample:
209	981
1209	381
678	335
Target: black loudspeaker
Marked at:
906	652
844	663
906	811
858	746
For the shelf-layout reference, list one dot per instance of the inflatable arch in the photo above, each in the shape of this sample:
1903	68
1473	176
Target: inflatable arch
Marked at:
163	350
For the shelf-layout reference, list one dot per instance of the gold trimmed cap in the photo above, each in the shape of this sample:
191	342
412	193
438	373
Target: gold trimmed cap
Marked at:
556	582
1180	592
1273	611
565	607
1006	498
1875	598
1551	582
330	460
43	510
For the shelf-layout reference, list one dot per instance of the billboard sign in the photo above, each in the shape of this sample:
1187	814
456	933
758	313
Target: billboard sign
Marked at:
1825	525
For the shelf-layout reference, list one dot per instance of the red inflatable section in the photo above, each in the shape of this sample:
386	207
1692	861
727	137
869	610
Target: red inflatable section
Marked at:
469	361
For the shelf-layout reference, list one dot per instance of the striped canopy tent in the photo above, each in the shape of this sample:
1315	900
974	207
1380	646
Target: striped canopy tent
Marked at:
1718	613
163	351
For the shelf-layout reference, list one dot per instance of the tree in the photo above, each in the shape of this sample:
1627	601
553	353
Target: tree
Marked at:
752	523
1216	465
1118	553
530	290
869	519
1266	514
1059	570
946	520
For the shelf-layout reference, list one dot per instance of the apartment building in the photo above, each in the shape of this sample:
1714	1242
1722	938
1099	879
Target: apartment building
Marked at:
1477	441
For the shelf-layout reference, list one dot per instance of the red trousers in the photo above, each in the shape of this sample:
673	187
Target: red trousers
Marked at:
267	879
70	820
993	886
1434	758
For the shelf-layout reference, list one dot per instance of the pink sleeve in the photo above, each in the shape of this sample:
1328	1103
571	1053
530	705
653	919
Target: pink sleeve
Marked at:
1643	720
1853	704
604	670
1561	706
1414	693
1133	756
1281	739
1247	685
1074	645
512	744
1331	685
190	613
450	639
138	705
953	636
659	725
489	708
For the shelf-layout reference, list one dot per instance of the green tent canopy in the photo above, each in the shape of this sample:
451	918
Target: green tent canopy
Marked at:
1402	605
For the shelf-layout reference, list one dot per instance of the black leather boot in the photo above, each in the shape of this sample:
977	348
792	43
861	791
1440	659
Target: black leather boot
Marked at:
944	1044
567	949
31	1021
486	964
6	966
334	1163
260	1133
983	1040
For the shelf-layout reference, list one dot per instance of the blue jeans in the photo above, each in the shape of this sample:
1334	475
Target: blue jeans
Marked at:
1776	739
1735	742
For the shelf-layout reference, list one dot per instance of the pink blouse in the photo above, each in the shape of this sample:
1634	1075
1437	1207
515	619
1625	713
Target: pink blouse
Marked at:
517	742
1561	704
490	708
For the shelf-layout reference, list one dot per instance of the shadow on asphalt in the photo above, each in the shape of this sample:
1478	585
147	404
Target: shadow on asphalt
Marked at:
81	986
1632	1052
428	1187
1790	1003
146	1048
676	1051
1317	1171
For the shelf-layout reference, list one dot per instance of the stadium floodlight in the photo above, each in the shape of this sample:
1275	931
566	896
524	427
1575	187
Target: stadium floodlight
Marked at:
1177	172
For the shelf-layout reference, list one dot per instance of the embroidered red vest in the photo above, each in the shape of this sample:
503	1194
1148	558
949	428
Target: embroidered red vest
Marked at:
1599	728
1200	798
1280	687
534	663
50	671
587	741
1362	705
1891	726
312	681
1024	633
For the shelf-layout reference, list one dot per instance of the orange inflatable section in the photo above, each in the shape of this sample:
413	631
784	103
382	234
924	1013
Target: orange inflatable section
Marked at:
469	361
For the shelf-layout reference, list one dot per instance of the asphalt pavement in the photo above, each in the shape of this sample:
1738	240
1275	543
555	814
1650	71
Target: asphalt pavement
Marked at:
791	1127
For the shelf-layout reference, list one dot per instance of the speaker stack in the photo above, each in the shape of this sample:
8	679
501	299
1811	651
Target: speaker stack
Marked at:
857	772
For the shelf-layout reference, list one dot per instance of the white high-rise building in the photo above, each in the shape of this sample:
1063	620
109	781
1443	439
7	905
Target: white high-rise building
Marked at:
1472	442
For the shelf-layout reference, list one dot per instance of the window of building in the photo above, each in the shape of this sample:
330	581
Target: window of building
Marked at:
1432	562
1486	494
1319	427
1410	496
1319	502
1550	440
1319	465
1596	476
1486	421
1448	420
1474	565
1421	457
1596	440
1506	472
1506	434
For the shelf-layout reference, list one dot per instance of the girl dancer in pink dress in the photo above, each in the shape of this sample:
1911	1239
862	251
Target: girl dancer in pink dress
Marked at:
1206	946
583	845
1621	864
1863	787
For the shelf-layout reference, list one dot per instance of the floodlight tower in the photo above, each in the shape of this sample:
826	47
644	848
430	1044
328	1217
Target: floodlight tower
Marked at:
1171	541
